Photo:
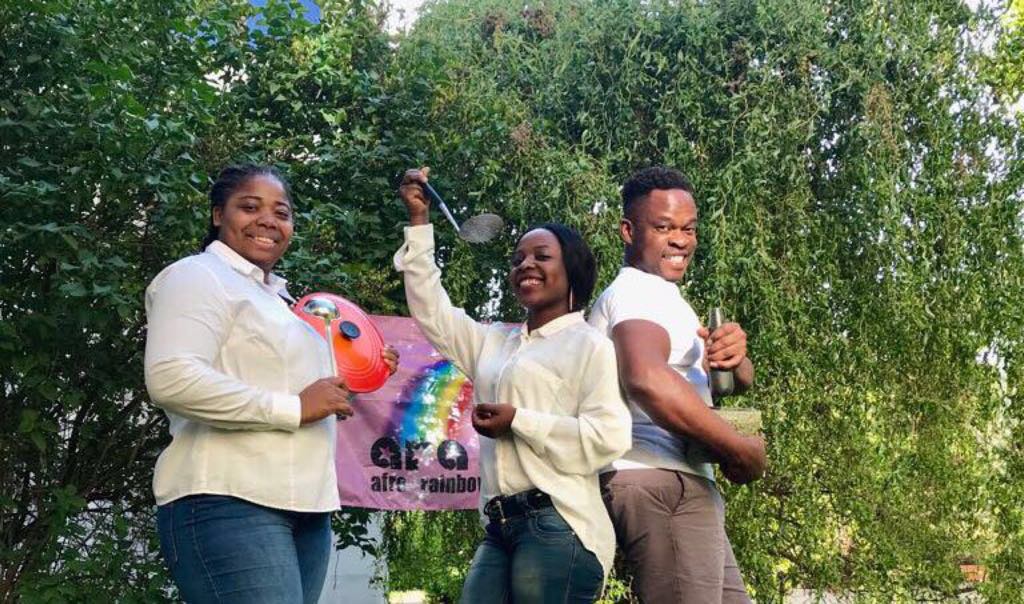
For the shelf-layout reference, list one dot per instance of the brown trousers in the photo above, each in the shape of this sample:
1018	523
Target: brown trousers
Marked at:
670	527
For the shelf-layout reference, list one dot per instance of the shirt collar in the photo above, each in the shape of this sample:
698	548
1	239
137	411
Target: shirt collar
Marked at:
552	327
275	284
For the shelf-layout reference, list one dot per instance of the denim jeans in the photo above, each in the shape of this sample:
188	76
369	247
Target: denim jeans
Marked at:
532	559
225	549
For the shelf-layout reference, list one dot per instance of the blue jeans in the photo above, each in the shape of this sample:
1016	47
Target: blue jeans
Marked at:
225	549
532	559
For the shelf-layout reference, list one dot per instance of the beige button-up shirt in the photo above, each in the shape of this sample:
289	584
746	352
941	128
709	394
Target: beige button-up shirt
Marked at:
226	359
562	378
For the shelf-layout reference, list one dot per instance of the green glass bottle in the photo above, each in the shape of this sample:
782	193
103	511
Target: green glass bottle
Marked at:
721	379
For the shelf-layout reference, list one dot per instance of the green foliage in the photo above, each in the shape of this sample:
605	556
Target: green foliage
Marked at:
115	115
860	195
429	551
95	150
1006	67
859	180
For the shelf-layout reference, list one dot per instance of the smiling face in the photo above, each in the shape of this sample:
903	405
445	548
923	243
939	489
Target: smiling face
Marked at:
661	233
538	276
256	221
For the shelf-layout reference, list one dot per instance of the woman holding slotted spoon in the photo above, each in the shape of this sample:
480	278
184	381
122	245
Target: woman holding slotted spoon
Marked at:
547	408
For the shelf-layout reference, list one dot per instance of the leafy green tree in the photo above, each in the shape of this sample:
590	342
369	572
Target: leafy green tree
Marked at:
114	117
94	150
860	193
859	181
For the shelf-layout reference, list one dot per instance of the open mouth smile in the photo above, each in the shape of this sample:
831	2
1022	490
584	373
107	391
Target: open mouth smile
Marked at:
676	260
529	282
262	241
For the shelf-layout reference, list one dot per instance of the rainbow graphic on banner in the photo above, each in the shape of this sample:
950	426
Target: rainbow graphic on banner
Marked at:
438	398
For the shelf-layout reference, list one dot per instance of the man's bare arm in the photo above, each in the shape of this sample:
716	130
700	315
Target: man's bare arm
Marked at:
673	403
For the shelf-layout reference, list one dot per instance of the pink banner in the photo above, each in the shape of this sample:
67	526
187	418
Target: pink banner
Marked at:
411	444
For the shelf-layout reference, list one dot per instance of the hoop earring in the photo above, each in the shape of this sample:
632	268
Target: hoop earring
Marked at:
570	300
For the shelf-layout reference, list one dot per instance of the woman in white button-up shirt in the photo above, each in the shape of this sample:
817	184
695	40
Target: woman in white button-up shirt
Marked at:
548	408
247	484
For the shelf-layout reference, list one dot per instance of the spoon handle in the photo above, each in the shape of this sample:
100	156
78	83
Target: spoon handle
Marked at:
440	203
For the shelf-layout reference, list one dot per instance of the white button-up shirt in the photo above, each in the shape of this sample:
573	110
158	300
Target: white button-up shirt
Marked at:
226	359
570	417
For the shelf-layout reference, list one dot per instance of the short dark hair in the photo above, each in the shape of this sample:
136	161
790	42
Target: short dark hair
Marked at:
228	181
642	182
580	266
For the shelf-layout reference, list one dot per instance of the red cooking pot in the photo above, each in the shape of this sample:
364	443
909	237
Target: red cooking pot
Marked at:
356	341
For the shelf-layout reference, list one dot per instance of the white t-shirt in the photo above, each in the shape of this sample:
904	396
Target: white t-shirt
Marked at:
635	294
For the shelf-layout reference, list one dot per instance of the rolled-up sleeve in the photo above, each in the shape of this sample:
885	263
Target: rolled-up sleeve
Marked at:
188	317
451	331
598	435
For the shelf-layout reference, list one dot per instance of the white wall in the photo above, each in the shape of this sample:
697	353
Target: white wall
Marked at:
349	574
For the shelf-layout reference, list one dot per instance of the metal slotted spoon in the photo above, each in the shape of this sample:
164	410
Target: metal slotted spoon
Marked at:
478	229
328	311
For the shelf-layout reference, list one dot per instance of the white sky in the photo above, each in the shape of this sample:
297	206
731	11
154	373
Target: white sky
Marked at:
402	13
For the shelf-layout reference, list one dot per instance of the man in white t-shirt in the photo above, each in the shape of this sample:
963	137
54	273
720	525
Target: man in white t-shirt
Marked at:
668	513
